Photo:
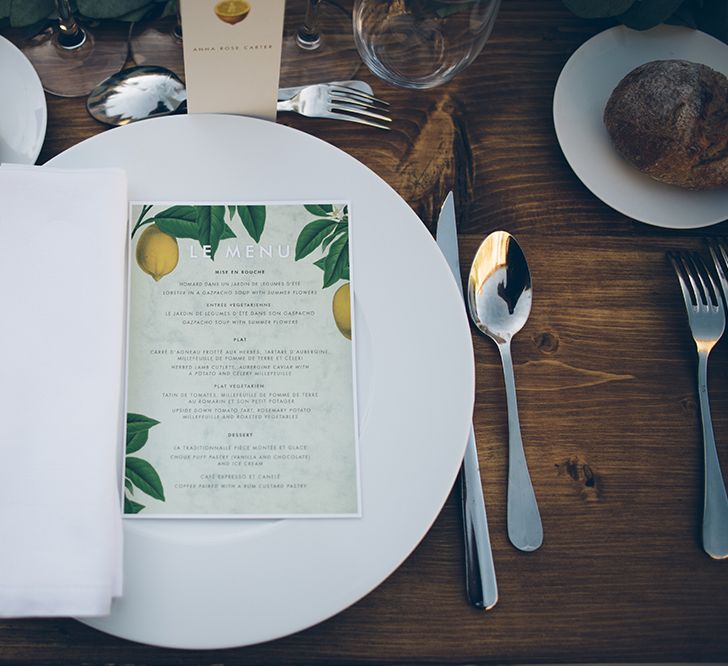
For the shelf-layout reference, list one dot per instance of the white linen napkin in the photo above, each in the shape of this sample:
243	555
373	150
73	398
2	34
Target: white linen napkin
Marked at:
62	299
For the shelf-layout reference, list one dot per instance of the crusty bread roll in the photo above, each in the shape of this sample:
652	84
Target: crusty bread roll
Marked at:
670	119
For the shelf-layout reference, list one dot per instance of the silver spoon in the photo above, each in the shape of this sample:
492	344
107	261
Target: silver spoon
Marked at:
499	300
136	93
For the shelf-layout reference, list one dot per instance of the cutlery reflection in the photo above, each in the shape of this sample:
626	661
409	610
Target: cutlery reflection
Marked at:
499	299
138	93
480	578
706	317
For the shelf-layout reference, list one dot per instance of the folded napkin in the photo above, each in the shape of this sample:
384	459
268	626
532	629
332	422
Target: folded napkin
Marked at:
62	298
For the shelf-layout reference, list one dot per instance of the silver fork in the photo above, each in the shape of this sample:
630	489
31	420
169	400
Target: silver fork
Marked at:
706	317
339	103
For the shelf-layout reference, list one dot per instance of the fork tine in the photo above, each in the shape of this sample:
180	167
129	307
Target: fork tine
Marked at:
688	296
359	111
715	246
692	272
708	282
357	119
364	104
354	93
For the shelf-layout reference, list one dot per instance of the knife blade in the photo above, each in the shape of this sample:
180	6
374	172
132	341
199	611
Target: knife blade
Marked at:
480	580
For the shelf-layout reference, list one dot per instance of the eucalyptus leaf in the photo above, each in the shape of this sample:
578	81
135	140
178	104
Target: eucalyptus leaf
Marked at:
138	423
24	13
647	14
312	235
253	218
130	506
337	261
320	210
136	440
598	8
144	477
104	9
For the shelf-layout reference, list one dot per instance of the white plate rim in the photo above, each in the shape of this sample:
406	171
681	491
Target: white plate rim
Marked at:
641	197
35	89
441	355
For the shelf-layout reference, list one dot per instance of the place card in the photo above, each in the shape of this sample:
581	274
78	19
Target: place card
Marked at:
241	382
232	55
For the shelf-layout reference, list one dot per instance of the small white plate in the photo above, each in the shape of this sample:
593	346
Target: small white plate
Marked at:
224	583
23	112
582	91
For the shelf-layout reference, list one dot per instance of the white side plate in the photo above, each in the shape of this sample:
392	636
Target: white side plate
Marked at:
582	91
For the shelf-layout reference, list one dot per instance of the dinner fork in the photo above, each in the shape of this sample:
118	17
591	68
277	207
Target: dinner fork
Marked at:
706	317
339	103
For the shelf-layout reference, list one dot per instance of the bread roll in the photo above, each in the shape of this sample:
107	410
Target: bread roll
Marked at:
670	119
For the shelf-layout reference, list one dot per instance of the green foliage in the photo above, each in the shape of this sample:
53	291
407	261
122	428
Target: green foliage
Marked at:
708	15
139	473
330	233
24	13
205	224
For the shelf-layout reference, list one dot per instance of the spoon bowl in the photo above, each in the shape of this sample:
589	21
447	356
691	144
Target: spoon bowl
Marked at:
136	93
499	287
499	301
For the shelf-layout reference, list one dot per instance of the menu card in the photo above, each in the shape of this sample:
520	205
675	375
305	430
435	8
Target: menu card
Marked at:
241	384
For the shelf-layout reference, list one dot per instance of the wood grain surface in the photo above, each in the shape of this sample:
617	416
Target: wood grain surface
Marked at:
606	376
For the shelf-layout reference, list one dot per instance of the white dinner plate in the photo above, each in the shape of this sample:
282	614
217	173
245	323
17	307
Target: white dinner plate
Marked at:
23	112
582	91
214	584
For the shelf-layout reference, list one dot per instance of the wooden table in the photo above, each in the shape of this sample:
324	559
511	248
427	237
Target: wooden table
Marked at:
606	377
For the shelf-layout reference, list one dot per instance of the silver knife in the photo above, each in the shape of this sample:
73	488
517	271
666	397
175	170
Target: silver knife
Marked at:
480	579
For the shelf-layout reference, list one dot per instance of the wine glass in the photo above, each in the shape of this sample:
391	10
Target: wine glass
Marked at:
159	42
421	43
70	60
319	47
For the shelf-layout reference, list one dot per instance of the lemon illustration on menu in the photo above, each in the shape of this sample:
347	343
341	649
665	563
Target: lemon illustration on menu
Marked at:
232	11
341	306
157	253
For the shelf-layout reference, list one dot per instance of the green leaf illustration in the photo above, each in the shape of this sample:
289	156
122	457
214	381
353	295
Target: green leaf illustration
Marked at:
178	228
128	485
211	225
337	261
144	477
136	440
321	210
227	232
130	506
253	218
231	212
138	423
341	228
312	235
321	263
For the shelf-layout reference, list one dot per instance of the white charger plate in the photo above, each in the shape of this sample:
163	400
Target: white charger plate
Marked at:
216	584
23	113
584	86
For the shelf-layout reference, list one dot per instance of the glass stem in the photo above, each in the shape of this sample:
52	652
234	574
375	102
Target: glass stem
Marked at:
71	35
308	36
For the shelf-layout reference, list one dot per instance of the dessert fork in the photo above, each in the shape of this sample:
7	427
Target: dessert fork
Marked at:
339	103
706	317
